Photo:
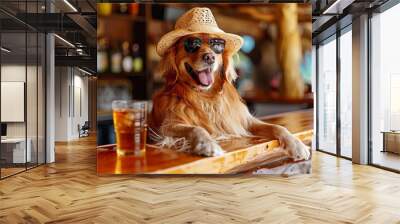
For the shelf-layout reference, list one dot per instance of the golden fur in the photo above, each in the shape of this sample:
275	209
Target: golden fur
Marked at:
219	110
182	109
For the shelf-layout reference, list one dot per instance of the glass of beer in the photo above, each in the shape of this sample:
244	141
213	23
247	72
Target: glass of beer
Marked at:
130	125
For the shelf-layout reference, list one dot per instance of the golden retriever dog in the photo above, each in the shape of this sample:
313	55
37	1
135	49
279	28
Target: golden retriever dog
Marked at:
200	103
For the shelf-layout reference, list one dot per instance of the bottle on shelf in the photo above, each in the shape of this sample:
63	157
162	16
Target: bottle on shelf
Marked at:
137	59
127	60
134	9
102	56
104	9
116	59
123	8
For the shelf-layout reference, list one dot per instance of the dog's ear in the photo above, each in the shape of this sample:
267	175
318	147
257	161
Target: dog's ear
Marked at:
167	66
229	67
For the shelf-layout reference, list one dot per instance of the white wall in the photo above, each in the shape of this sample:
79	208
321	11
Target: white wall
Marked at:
81	94
12	73
71	93
33	127
61	103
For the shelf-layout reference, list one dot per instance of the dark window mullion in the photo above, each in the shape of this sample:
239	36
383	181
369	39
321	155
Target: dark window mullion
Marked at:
369	79
37	90
316	96
338	95
26	88
44	72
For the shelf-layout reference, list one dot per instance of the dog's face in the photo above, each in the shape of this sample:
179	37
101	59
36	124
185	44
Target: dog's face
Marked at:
199	59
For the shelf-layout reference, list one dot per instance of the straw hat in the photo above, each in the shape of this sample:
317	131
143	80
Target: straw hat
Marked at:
198	20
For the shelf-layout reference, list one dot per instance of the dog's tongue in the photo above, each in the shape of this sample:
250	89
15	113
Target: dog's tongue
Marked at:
205	77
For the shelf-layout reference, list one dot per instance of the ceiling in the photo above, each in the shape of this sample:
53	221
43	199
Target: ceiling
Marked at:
72	20
330	15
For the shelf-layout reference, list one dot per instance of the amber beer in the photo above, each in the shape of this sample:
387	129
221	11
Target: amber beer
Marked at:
130	126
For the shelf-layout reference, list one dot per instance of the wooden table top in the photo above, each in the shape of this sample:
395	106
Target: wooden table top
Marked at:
242	155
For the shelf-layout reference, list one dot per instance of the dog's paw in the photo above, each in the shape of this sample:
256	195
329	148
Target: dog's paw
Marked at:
208	148
202	144
301	152
296	149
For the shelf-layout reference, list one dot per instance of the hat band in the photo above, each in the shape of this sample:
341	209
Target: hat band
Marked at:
203	28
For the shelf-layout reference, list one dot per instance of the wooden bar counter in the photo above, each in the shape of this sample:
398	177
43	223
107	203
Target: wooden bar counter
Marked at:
243	155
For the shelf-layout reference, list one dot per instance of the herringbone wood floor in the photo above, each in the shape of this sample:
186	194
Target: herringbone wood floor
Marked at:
70	192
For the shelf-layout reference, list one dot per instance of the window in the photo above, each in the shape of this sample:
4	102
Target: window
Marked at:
385	89
327	96
22	77
346	93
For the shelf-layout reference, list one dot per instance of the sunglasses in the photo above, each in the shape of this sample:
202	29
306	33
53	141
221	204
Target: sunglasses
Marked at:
192	44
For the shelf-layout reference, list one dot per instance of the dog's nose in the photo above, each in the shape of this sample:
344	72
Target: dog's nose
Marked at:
209	58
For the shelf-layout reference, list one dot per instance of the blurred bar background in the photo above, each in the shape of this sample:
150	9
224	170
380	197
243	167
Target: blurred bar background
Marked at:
274	64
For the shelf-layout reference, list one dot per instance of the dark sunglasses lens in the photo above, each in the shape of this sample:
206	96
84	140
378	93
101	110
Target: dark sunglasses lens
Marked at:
192	44
217	45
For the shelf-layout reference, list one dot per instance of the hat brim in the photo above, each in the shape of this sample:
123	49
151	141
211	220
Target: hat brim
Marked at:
233	42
